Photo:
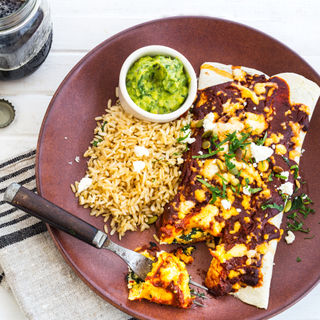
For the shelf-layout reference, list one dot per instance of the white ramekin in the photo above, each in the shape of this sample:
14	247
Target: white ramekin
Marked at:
127	103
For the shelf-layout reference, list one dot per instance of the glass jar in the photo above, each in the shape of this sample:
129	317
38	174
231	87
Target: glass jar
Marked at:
25	37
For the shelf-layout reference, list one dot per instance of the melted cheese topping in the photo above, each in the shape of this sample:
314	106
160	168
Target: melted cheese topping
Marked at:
167	283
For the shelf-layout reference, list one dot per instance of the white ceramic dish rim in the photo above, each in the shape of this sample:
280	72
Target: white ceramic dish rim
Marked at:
131	107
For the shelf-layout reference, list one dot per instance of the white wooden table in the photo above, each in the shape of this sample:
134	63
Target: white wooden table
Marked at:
80	25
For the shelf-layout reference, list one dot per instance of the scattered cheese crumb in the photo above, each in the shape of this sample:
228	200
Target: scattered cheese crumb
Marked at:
208	122
287	188
239	210
290	237
296	159
141	151
226	204
77	159
70	162
200	152
188	134
273	146
285	174
180	160
260	153
138	166
66	138
246	190
255	165
254	108
84	184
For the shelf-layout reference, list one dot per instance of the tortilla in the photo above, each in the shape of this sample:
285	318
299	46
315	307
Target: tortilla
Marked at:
232	198
302	91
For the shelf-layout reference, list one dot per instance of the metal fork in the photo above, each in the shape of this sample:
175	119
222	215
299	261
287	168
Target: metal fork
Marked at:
57	217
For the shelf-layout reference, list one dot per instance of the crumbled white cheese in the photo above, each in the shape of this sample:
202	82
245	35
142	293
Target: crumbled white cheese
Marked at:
180	160
244	165
239	210
66	138
141	151
208	122
255	165
200	152
226	204
296	159
138	166
287	188
188	140
290	237
70	162
77	159
260	153
273	146
285	174
246	190
254	108
84	184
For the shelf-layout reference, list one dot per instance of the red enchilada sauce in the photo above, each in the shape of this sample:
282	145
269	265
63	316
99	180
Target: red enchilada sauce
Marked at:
245	233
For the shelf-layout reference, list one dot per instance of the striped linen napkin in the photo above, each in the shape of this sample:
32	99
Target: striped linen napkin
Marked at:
43	284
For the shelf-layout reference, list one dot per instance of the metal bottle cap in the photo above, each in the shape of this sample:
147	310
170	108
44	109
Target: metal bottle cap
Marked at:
7	113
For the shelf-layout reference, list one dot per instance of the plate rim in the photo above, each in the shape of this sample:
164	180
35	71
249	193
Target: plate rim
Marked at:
76	69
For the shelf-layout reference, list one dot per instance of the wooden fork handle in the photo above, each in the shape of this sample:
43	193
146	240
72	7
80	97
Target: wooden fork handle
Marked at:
45	210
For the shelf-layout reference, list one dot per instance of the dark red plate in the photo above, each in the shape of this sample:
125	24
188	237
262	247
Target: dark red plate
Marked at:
83	95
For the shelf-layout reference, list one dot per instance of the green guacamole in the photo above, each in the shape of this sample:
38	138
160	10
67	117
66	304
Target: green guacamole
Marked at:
158	84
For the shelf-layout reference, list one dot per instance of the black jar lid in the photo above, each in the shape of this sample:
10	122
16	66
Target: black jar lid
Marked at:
7	113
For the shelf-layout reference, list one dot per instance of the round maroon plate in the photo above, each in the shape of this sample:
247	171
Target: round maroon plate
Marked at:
83	95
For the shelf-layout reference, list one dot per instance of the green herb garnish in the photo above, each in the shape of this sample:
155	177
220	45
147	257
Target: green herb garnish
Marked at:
298	259
296	170
261	142
286	160
272	206
297	223
216	192
255	190
95	143
102	128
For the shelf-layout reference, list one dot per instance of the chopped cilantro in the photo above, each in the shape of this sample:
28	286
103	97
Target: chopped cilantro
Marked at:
261	141
272	206
223	179
309	237
299	203
297	223
286	160
223	190
216	192
281	177
207	155
235	143
102	128
95	143
184	129
298	259
229	164
296	170
255	190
